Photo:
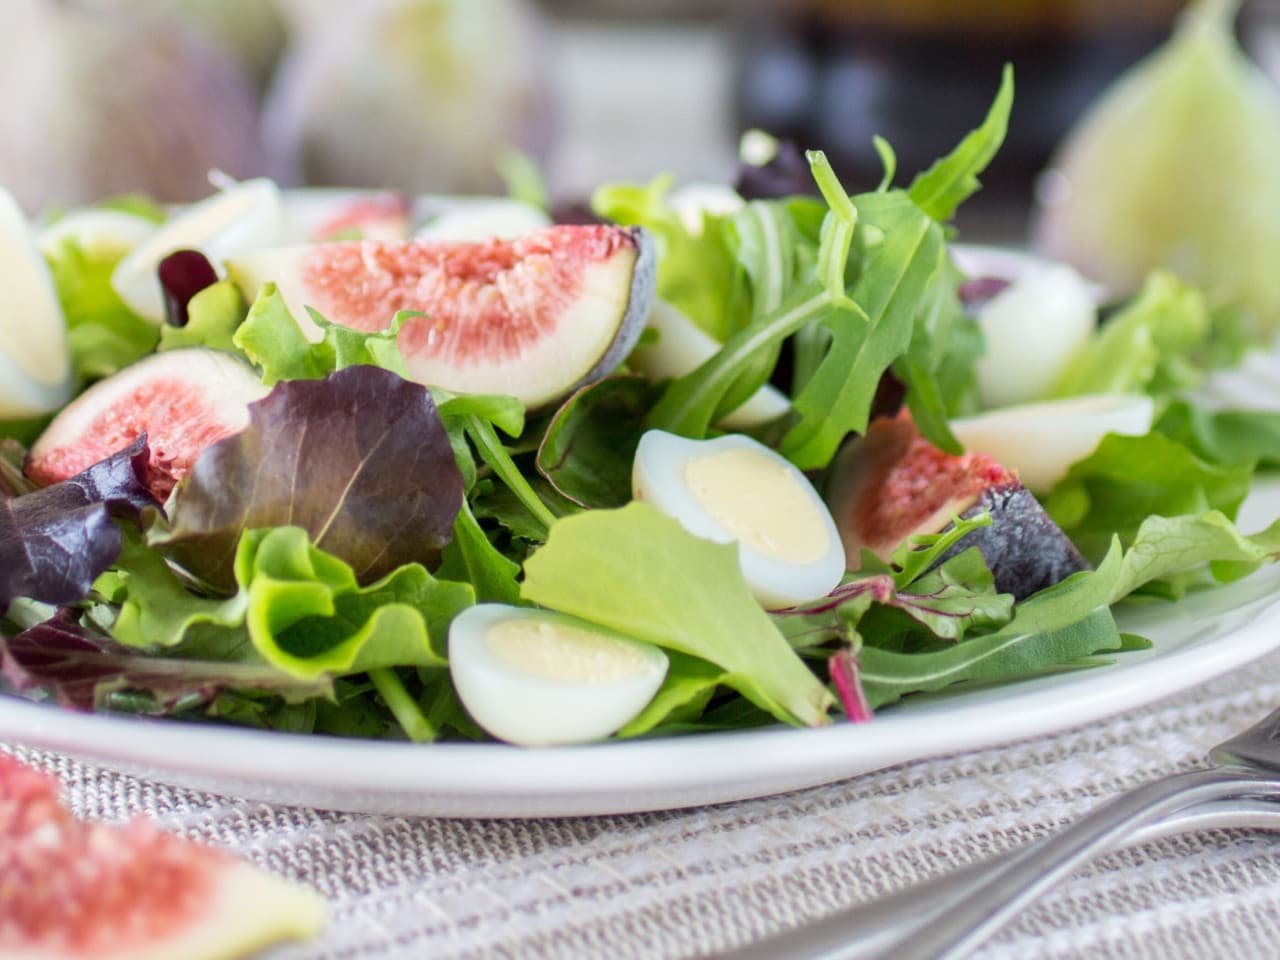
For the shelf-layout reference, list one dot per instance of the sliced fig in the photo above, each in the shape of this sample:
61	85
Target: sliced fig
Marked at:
75	889
378	216
183	400
534	317
892	484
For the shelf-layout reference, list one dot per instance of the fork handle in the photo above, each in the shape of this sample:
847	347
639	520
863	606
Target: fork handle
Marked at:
1012	884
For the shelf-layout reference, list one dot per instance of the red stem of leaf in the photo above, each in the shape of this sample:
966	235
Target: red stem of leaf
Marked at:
843	667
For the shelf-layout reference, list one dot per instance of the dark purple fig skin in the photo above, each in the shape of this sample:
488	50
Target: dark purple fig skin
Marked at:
644	286
1025	550
183	274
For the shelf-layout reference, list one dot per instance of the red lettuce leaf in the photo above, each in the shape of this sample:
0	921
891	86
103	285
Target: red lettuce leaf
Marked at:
55	542
361	460
80	669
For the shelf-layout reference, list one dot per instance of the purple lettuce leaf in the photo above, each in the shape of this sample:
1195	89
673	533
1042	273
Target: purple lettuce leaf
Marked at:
360	460
56	541
80	669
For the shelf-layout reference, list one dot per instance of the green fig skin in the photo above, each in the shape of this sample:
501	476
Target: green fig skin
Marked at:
1175	168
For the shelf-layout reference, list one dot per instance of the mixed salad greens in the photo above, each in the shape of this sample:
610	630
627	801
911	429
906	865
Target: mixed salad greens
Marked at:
304	576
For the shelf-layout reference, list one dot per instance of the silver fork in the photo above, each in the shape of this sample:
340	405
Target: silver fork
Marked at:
946	917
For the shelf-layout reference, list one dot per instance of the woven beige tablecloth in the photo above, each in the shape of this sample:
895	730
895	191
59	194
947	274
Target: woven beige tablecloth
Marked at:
687	884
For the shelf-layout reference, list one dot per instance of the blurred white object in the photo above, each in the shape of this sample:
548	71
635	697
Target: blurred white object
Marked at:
1254	385
413	95
635	102
103	100
240	217
1042	440
35	360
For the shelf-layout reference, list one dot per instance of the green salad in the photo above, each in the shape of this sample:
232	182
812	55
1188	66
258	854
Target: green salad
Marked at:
448	487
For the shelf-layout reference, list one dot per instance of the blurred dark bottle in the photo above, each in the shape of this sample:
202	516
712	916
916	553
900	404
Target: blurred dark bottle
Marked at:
832	73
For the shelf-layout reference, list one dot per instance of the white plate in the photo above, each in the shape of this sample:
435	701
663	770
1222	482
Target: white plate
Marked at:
1200	637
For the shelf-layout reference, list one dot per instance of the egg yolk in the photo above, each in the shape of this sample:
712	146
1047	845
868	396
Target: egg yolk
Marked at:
559	651
759	503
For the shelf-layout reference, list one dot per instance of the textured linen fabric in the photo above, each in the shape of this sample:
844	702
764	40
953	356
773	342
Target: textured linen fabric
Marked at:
691	883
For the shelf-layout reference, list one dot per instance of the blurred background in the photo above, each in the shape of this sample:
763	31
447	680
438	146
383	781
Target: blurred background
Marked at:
109	96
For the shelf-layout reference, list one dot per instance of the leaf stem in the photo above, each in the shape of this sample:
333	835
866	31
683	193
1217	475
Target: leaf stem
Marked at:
403	707
496	456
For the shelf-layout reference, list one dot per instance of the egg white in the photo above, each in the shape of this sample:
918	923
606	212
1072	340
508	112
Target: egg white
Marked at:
1042	440
535	710
659	478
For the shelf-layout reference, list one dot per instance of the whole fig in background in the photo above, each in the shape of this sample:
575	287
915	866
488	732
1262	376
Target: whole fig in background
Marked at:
104	100
1176	167
249	31
414	95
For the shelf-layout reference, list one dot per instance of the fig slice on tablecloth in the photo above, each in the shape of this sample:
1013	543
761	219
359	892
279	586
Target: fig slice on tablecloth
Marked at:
90	891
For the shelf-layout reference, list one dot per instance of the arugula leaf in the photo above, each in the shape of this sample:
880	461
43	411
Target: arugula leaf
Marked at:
471	558
56	541
213	316
941	189
459	413
1226	437
360	460
1060	624
272	340
1129	478
103	334
641	574
1147	346
587	450
939	367
82	670
690	404
878	609
890	290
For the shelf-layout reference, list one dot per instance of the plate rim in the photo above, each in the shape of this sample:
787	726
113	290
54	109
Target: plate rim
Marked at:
620	777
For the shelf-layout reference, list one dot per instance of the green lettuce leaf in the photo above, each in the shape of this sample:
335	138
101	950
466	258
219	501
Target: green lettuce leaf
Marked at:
1225	437
104	335
1149	345
685	692
273	341
640	573
309	617
297	608
1165	546
214	315
1127	479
